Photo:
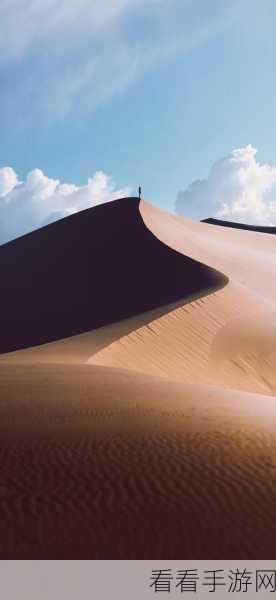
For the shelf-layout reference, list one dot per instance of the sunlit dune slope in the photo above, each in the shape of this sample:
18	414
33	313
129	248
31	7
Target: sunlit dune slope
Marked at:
227	338
89	270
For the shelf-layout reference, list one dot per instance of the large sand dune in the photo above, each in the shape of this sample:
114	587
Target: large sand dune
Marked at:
227	338
152	436
88	270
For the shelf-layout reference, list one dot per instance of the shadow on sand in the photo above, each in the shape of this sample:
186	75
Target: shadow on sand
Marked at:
89	270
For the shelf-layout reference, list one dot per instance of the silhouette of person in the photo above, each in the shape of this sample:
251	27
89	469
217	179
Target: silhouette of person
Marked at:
140	192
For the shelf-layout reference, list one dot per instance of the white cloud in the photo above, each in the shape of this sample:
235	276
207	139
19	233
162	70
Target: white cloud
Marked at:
27	205
238	189
8	180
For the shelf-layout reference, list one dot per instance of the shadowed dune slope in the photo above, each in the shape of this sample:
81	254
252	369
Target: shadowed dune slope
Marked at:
256	228
89	270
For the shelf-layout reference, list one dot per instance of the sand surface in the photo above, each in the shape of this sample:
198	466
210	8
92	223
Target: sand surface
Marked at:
105	463
154	436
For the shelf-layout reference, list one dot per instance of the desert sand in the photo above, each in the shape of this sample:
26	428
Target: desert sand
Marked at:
148	430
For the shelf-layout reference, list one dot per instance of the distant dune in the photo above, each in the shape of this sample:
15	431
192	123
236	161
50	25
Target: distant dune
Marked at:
152	433
259	228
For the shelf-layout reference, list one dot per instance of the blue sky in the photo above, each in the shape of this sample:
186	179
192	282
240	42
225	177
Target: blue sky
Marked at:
151	92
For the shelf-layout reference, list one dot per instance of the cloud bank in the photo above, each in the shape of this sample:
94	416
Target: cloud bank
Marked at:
238	188
30	204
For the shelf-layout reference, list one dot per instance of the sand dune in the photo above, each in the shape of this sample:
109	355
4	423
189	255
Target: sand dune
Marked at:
227	338
223	337
152	436
88	270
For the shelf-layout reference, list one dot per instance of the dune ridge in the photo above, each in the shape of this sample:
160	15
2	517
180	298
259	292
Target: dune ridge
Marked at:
216	339
88	270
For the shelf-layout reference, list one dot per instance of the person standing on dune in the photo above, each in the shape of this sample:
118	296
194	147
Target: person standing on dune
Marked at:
140	192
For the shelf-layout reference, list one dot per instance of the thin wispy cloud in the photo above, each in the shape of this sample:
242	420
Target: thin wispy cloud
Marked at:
59	56
25	24
238	188
39	200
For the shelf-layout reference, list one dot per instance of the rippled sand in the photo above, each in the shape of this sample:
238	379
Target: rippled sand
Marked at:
104	463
